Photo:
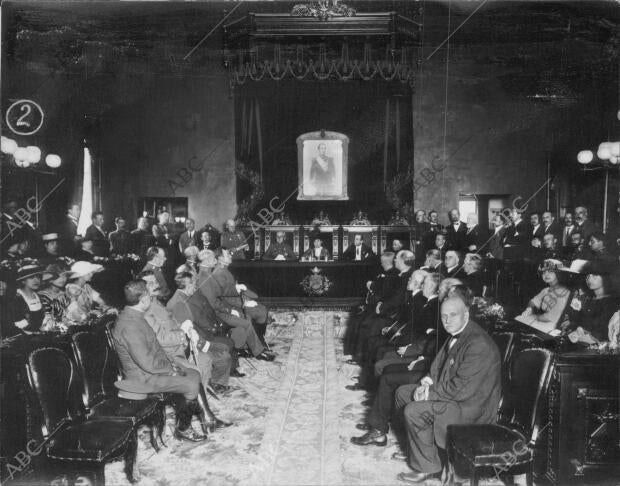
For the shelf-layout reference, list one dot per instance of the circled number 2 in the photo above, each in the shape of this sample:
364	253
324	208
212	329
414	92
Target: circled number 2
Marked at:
24	117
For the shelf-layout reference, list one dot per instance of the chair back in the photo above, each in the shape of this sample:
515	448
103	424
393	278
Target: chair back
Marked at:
96	364
52	377
505	343
530	373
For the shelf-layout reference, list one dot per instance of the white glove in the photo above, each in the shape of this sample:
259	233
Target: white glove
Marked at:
235	313
240	287
401	350
250	303
194	337
22	324
205	348
187	326
413	363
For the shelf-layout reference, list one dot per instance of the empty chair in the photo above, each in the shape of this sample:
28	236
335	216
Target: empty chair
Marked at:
73	441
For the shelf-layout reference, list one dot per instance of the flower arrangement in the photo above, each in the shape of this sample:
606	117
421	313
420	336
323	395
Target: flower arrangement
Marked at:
486	312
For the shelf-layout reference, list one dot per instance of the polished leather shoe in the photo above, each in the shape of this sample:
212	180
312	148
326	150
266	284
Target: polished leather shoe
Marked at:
414	477
243	353
373	436
399	456
189	434
219	388
236	373
355	387
363	427
265	356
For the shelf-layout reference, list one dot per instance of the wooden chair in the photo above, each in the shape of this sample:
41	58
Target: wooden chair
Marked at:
71	439
505	448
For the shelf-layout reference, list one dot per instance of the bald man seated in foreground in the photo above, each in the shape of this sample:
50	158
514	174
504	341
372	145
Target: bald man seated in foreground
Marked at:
463	387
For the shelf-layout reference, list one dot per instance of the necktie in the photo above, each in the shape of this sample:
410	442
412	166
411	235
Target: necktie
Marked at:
449	345
453	340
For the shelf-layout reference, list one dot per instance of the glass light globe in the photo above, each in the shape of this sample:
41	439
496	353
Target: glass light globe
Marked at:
21	155
34	154
615	149
8	145
585	157
614	160
53	161
604	151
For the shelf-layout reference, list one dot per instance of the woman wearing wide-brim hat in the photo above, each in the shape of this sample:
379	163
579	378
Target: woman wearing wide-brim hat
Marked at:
589	315
27	310
52	294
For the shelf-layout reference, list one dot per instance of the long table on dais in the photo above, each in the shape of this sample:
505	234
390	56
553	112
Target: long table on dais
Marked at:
317	282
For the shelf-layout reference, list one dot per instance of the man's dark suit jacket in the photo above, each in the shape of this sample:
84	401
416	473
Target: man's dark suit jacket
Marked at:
412	328
457	240
554	229
186	240
366	252
196	309
475	236
139	352
586	228
141	241
496	244
383	285
466	381
164	288
474	281
120	242
395	304
101	245
428	239
68	233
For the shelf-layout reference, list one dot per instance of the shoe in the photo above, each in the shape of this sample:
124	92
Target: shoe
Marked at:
236	373
217	424
355	387
265	356
415	477
373	436
189	434
219	388
363	426
399	456
243	353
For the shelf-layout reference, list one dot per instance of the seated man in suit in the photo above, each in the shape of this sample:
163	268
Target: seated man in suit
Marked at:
394	306
432	262
358	250
279	249
384	284
144	361
451	266
317	252
155	260
188	304
472	273
463	387
213	359
218	286
419	356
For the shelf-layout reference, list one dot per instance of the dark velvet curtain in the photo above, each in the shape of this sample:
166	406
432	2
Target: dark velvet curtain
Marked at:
376	116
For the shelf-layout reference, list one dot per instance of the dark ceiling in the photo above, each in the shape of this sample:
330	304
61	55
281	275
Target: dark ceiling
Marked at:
69	36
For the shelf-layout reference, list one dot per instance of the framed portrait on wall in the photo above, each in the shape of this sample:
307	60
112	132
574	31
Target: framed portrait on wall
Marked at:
322	166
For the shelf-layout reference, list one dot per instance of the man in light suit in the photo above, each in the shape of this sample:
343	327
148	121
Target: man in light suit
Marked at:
143	360
463	387
358	251
189	237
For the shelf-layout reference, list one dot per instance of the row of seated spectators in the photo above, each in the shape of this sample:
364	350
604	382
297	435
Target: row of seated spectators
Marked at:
411	318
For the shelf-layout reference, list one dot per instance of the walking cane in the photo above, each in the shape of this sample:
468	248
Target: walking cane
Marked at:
194	354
